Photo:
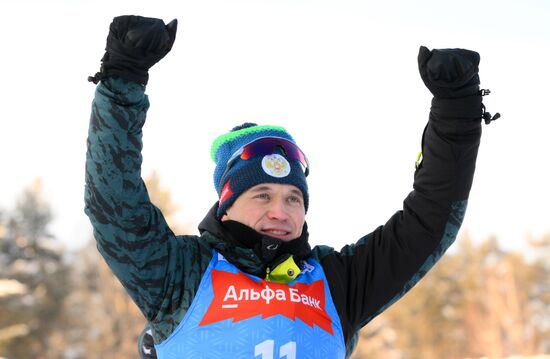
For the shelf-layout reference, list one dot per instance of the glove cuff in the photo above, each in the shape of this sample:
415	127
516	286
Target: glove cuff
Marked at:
458	118
470	107
117	65
139	78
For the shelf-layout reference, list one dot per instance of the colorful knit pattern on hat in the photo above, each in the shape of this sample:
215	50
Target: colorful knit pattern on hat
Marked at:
245	174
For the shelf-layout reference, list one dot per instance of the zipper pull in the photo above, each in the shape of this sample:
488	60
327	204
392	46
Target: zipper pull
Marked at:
487	117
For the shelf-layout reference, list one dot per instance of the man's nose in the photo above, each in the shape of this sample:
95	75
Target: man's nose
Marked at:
277	210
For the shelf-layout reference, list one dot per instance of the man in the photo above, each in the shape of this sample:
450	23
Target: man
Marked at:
250	285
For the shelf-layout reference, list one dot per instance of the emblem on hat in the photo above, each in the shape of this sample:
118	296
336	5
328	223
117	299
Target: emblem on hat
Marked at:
276	165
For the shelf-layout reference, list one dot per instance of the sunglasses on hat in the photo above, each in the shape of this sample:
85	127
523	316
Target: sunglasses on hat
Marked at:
266	146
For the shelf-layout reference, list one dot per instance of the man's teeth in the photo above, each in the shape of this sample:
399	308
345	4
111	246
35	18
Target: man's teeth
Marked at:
280	233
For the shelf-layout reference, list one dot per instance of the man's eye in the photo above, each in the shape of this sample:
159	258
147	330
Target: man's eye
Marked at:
295	199
263	196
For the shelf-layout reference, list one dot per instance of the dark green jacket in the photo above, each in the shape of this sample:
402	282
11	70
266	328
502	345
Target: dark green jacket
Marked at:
162	271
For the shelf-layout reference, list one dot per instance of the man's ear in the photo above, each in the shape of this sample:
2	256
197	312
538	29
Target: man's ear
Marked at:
225	217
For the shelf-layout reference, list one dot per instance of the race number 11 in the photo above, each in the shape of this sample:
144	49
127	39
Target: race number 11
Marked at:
266	349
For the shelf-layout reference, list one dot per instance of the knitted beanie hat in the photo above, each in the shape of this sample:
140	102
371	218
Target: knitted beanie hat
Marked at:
234	175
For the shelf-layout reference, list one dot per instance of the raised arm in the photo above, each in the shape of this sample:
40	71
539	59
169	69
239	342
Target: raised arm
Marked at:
130	231
376	271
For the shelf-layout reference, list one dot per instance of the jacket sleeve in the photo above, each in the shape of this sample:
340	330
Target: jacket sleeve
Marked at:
131	233
368	276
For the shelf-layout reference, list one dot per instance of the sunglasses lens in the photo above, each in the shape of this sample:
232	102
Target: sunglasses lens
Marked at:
266	146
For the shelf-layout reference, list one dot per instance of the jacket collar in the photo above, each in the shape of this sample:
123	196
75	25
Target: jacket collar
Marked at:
251	251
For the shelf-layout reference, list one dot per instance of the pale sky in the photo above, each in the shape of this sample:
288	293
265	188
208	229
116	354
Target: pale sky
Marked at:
340	75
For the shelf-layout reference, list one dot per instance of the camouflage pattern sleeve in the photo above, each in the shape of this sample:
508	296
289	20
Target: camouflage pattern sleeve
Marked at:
131	233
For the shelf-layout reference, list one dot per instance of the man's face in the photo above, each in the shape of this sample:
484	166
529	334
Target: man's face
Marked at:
276	210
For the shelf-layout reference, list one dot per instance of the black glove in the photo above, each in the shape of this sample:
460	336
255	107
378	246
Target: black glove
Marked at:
449	73
134	45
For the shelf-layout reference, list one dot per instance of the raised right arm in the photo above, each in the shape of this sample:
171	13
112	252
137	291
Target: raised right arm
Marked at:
130	231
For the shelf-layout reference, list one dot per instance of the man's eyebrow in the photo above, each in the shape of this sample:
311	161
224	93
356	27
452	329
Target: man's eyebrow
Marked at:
263	188
296	191
260	189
